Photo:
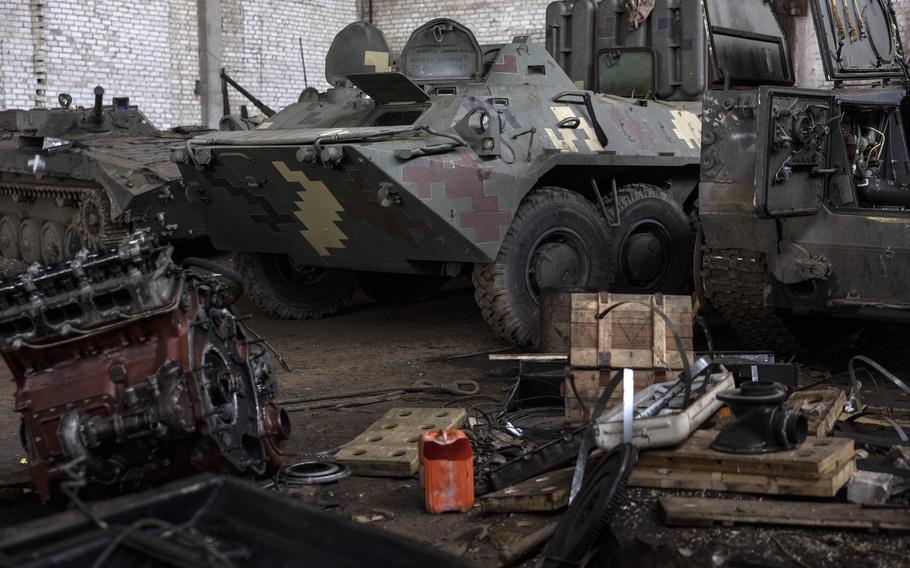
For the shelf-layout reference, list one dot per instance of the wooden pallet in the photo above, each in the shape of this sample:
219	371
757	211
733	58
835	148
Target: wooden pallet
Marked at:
631	336
658	478
816	458
821	408
549	492
685	511
388	448
821	474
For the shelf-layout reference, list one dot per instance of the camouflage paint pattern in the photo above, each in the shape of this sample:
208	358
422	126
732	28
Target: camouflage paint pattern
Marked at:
273	190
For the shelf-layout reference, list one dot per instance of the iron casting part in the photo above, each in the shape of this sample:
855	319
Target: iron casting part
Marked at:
131	371
761	423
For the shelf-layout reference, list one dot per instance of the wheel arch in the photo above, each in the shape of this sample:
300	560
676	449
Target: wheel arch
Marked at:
681	182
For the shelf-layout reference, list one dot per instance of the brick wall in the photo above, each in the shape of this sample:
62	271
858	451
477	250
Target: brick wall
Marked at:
491	22
148	50
262	45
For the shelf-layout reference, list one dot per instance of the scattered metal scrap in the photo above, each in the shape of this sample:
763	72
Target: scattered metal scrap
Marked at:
373	396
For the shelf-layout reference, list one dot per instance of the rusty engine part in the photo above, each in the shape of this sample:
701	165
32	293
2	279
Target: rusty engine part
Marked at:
761	423
131	371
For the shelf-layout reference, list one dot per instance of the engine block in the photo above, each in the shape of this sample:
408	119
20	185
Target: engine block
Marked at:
131	371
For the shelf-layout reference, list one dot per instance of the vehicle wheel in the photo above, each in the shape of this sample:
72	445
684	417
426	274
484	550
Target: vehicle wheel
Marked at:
557	239
390	288
9	237
53	241
30	240
286	290
652	248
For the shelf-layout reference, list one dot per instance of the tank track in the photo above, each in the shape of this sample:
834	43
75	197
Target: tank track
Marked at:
735	283
108	233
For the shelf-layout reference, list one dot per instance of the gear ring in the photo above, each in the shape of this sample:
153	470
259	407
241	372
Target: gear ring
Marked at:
96	227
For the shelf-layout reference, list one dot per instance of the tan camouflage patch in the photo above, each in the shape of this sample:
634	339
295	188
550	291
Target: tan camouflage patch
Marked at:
589	138
317	209
379	60
559	142
687	127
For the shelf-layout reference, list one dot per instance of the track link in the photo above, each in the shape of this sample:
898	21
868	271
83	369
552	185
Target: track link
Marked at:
736	283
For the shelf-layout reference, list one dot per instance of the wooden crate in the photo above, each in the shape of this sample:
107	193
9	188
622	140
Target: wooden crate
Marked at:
631	336
590	384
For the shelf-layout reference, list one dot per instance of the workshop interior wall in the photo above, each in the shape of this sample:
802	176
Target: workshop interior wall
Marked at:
147	49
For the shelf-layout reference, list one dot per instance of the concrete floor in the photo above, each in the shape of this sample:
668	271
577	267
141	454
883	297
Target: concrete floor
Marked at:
370	346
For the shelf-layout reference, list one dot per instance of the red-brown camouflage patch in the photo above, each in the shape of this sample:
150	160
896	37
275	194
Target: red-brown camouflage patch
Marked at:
463	177
509	65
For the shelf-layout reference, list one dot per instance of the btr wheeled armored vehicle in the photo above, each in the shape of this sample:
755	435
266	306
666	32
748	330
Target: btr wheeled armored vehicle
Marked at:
75	176
464	158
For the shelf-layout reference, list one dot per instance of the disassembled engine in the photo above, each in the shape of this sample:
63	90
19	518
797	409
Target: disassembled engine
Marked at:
131	371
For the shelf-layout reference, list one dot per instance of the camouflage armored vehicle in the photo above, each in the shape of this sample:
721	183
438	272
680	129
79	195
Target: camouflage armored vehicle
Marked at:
805	193
803	204
74	176
464	158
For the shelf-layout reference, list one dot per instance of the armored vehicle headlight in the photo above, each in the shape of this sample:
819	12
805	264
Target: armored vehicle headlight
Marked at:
480	121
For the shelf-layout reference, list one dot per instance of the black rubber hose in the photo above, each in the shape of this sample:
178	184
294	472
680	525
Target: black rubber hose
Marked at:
220	269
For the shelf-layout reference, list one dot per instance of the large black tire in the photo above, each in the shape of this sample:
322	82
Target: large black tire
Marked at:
391	288
557	239
652	248
286	291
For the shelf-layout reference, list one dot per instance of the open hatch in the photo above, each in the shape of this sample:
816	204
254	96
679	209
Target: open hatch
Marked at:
748	44
859	39
441	50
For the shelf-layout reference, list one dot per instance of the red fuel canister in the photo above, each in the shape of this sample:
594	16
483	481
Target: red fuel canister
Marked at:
447	471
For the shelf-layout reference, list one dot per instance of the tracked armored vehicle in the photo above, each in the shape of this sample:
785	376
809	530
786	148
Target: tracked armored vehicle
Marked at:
805	193
465	158
73	177
803	204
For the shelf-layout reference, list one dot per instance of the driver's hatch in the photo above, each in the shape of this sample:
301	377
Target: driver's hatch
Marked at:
748	44
859	39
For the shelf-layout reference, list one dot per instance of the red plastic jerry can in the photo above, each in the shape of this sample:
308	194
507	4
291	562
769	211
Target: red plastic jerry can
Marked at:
447	468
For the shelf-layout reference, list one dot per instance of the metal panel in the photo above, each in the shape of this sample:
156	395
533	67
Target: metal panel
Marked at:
748	43
675	30
858	39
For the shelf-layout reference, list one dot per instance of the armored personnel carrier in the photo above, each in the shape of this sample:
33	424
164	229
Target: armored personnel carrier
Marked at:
465	158
73	177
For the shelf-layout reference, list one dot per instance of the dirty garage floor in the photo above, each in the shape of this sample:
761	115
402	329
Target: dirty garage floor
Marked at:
372	346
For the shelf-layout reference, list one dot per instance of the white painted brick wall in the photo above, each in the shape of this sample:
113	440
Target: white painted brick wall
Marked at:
262	46
491	22
148	50
17	83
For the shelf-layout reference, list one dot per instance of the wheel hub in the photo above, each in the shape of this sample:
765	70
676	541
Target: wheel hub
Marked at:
556	265
646	256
